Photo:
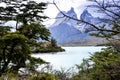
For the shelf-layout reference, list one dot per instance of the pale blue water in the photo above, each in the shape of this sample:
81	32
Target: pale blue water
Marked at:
69	58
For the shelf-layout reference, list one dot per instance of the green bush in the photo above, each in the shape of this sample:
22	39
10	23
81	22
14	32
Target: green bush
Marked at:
43	76
104	65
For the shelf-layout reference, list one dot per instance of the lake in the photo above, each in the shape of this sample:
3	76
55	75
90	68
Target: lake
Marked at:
69	58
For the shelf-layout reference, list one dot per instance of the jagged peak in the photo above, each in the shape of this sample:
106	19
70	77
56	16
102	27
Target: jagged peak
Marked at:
71	10
86	14
61	19
85	11
72	13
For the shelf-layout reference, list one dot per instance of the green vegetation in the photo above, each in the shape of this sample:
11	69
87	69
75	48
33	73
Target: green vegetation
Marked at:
47	73
15	46
102	65
47	47
42	76
48	50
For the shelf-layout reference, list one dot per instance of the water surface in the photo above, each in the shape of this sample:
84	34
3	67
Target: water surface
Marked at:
69	58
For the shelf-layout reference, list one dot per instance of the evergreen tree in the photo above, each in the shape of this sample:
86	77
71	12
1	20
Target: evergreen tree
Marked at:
53	42
15	46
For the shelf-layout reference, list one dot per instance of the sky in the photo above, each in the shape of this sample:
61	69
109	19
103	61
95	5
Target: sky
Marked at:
64	5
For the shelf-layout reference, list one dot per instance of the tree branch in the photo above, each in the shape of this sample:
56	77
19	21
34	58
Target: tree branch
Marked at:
82	21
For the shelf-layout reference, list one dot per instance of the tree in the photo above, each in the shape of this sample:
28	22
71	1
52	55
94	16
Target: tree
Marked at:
110	8
53	43
102	65
15	46
110	27
23	11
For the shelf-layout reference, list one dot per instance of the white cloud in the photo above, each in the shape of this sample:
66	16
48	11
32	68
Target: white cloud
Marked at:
64	5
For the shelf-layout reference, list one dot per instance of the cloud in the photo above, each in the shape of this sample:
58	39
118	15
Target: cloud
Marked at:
64	5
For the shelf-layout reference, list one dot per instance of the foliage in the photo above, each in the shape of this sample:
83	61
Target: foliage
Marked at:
15	52
63	74
9	76
43	76
46	47
4	30
14	44
35	31
102	65
108	35
23	11
48	50
53	42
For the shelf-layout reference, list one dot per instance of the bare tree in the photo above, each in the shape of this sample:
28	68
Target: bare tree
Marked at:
110	8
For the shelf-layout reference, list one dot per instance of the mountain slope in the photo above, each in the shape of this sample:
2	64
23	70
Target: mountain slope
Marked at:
66	31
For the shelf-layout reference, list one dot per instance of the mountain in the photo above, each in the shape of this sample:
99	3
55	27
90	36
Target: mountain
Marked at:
63	29
64	33
60	19
86	16
67	31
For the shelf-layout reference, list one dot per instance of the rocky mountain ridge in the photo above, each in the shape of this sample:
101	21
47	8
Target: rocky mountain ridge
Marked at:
67	31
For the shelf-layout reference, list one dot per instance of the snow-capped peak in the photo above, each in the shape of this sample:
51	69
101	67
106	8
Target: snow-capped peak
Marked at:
60	18
72	13
86	16
66	30
71	10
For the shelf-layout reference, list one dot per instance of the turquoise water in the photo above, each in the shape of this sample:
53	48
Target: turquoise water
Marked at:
69	58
